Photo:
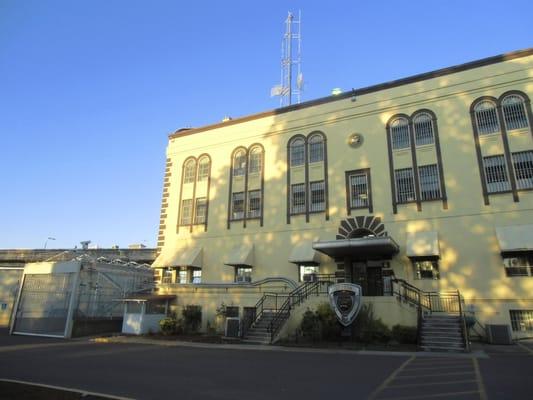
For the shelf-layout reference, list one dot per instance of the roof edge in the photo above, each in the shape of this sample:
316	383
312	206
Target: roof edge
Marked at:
361	91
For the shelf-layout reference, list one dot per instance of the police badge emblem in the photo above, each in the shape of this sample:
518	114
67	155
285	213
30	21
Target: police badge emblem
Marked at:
345	300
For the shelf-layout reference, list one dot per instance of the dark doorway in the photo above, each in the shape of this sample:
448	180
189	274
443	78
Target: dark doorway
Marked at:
369	277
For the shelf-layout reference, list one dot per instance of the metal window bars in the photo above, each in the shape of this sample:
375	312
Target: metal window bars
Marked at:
486	117
429	182
514	112
316	149
358	191
239	163
399	131
405	188
521	320
254	166
200	212
318	196
254	204
496	174
523	169
237	205
298	198
186	212
297	152
423	126
203	169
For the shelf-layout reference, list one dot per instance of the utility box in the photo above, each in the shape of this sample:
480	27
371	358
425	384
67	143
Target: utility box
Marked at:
233	326
499	334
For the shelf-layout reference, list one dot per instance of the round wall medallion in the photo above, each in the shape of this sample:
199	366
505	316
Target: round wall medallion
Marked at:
355	140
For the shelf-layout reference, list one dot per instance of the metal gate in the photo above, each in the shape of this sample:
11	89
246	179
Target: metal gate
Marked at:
43	306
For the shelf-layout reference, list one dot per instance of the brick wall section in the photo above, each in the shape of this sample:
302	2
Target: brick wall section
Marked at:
164	205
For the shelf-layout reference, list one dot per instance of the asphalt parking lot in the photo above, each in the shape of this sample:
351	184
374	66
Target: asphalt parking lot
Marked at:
143	371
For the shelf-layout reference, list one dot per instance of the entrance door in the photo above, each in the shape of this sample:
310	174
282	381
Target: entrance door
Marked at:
374	281
370	278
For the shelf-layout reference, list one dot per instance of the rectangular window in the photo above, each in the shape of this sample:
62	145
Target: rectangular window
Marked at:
255	162
405	186
307	273
423	126
201	210
297	153
254	204
519	265
317	195
186	212
167	276
196	275
316	151
203	171
182	276
298	198
426	269
237	206
523	169
521	320
429	182
358	190
243	274
496	174
486	119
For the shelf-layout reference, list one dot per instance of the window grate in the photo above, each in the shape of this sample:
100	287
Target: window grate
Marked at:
201	210
318	196
254	204
239	164
189	172
496	174
399	130
186	212
521	320
203	169
297	152
298	198
523	168
237	206
486	117
423	125
358	191
429	182
514	112
316	149
405	188
255	161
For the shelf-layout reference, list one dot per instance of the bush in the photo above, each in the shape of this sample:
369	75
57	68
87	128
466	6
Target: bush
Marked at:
168	325
404	334
369	329
330	328
192	318
310	325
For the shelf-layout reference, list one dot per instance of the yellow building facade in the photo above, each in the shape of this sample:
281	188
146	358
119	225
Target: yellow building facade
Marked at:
425	179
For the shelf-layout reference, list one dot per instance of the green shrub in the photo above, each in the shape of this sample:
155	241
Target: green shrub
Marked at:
330	328
310	325
369	329
168	325
192	318
404	334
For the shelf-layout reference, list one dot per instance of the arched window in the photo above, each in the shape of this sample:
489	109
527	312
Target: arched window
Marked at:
203	169
486	117
254	164
189	171
514	112
316	148
297	152
239	163
399	131
423	126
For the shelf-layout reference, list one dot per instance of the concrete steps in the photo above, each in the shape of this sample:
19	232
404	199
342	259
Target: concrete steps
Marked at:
442	332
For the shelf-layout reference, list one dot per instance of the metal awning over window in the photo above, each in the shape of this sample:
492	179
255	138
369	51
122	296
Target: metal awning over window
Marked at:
515	238
303	253
242	255
382	247
422	244
187	257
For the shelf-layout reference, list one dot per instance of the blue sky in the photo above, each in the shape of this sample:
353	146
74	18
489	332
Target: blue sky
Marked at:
89	90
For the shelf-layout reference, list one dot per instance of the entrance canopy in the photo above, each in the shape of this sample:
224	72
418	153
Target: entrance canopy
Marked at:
370	247
188	257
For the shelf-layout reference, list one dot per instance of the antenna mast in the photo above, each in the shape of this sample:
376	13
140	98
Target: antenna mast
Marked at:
291	87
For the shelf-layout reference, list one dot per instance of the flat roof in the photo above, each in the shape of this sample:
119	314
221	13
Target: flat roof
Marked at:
361	91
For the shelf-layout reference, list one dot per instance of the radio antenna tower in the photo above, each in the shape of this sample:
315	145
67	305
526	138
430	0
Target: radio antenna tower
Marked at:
292	81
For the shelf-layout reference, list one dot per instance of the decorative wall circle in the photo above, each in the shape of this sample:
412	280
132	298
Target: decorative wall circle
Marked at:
355	140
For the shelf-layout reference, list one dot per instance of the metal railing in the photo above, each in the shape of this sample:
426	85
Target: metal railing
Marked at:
449	302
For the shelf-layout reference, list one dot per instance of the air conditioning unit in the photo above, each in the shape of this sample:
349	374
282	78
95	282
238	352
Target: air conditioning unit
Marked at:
310	278
233	327
499	334
244	279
